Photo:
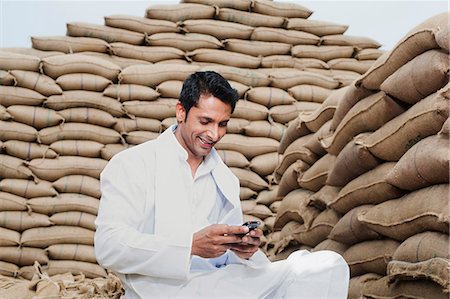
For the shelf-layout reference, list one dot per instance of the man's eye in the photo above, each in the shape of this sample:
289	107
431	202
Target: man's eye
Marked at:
224	124
203	122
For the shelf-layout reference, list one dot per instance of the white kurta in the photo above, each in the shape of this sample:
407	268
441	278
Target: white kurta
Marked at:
149	210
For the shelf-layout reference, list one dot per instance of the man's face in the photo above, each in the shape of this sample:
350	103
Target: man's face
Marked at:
203	127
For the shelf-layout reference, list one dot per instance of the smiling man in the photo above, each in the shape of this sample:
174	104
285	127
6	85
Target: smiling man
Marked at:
169	221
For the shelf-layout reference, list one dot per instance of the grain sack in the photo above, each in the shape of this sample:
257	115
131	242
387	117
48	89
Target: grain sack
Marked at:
239	87
79	131
170	89
225	57
296	129
293	37
36	117
108	34
264	128
9	269
184	42
23	256
285	113
88	115
417	41
349	230
370	256
235	125
11	95
32	52
285	78
109	150
233	158
445	130
14	168
41	83
4	115
275	207
7	79
138	137
423	246
319	28
250	111
236	4
381	288
256	48
314	177
42	237
68	44
90	270
250	147
265	164
249	18
411	214
323	53
260	211
28	150
78	184
269	222
249	179
282	9
368	54
297	151
56	66
247	205
289	179
309	93
27	188
180	12
251	78
354	160
11	202
328	244
288	61
121	62
77	252
82	98
150	54
325	195
18	131
356	284
74	218
319	230
369	188
350	64
367	115
424	164
53	169
15	61
269	96
130	92
152	75
442	38
294	207
82	81
9	237
418	78
65	202
20	221
140	24
219	29
246	193
397	136
160	109
346	100
125	125
342	76
349	40
267	197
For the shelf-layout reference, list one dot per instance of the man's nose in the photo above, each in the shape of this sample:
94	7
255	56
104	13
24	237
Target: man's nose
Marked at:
213	133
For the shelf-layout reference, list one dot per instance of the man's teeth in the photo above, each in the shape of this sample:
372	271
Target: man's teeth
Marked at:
205	142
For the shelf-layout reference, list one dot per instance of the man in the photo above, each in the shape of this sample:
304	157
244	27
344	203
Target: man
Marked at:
169	220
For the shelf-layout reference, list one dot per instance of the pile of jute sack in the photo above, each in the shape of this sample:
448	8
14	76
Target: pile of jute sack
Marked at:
371	180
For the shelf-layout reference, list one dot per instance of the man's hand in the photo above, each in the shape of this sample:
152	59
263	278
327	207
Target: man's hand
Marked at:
216	239
250	244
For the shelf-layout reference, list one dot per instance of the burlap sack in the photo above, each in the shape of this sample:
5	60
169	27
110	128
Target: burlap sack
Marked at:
11	202
225	57
369	188
233	158
321	198
264	128
77	252
370	256
41	83
152	75
354	160
418	78
422	247
249	18
79	81
74	218
260	211
288	61
423	119
367	115
23	256
53	169
75	267
138	137
20	221
265	164
18	131
247	205
250	111
119	61
130	92
332	245
296	129
289	179
350	64
43	237
368	54
249	179
275	207
159	109
36	117
314	177
415	42
4	115
309	93
267	197
15	61
349	230
411	214
445	130
323	53
246	193
7	79
14	168
248	77
9	237
84	148
219	29
125	125
27	188
89	99
282	9
140	24
56	66
285	78
294	206
78	184
32	52
319	28
180	12
64	202
170	89
343	77
361	42
88	115
279	35
269	222
109	150
236	4
27	150
79	131
11	95
184	42
356	284
297	151
285	113
250	147
106	33
319	230
68	44
256	48
11	270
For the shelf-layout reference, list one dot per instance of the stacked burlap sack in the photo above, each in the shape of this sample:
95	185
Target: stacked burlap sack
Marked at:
370	180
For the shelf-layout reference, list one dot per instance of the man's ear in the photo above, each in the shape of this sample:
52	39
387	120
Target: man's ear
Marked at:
180	112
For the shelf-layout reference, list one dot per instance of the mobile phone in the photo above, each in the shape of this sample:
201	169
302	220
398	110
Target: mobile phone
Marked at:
252	224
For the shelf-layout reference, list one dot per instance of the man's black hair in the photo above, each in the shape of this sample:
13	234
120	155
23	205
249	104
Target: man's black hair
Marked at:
207	83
